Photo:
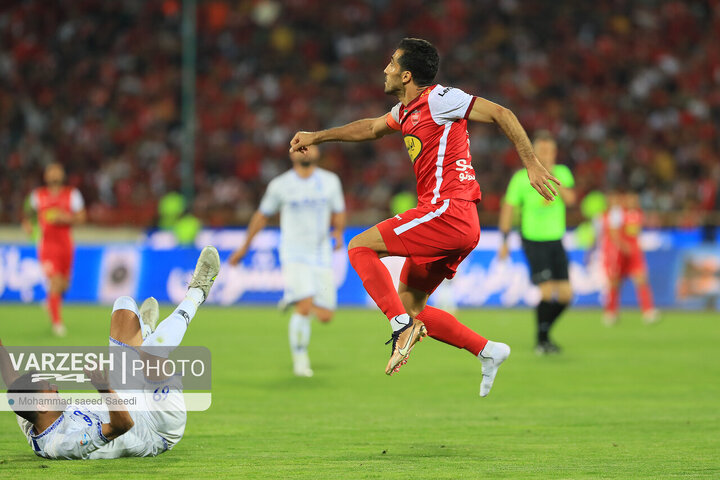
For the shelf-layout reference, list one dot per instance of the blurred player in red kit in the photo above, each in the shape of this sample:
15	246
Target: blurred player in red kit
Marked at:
623	257
58	208
443	229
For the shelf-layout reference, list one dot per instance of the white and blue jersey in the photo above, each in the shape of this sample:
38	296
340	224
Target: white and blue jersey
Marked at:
77	434
305	206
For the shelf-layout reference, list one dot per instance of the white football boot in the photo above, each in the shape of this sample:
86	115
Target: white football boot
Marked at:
149	315
301	365
491	357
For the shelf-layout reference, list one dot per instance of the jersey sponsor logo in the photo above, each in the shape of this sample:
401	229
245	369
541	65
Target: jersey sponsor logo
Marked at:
85	440
463	165
415	117
414	146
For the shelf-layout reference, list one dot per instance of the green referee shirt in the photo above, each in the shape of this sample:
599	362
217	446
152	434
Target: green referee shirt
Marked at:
540	220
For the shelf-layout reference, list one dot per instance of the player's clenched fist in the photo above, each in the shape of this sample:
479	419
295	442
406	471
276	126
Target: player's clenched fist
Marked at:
301	141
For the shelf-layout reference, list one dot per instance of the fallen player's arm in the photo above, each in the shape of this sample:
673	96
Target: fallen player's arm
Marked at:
357	131
9	375
120	419
488	112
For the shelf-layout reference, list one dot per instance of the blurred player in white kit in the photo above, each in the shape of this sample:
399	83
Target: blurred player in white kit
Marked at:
82	433
312	210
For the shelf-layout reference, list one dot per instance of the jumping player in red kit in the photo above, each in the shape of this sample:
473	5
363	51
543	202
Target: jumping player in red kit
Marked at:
58	208
443	229
623	257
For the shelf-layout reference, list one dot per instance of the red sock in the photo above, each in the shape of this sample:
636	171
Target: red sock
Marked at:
54	303
376	280
611	302
446	328
645	298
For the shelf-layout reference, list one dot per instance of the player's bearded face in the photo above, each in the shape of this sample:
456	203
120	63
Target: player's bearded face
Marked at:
393	79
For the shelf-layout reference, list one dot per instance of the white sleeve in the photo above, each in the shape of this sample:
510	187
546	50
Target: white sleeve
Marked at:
449	104
34	200
77	443
271	201
25	426
395	112
615	217
337	200
76	201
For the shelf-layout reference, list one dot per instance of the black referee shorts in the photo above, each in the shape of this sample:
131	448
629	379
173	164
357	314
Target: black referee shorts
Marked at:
547	260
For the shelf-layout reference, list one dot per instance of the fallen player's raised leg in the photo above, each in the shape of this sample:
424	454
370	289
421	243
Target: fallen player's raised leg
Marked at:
170	332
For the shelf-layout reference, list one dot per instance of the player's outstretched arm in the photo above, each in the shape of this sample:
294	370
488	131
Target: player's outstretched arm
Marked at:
120	419
357	131
257	223
541	180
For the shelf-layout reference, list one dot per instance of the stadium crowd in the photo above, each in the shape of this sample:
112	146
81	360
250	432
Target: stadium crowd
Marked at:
630	89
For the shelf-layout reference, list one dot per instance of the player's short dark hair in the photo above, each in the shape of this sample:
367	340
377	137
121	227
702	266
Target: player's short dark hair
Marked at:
23	384
420	58
543	136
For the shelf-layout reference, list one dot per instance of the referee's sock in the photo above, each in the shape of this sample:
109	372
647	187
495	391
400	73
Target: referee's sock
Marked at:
544	313
376	280
557	309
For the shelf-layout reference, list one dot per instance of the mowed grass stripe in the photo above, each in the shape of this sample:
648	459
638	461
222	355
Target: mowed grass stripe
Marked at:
628	402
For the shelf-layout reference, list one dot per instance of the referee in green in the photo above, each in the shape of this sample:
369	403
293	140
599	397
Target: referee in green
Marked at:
542	227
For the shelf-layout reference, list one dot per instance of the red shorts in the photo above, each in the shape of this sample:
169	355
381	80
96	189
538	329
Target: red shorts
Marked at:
56	261
622	265
434	239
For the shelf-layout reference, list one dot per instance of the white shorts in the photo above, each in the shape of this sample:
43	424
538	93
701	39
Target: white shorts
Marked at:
303	281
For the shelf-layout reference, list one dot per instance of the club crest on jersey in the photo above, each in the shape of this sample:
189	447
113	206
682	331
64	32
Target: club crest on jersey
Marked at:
415	117
413	145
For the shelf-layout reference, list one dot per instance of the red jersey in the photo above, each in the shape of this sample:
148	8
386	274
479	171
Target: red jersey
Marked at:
55	235
434	127
632	227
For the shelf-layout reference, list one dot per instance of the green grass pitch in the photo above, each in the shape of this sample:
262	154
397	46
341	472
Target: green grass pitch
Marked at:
627	402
